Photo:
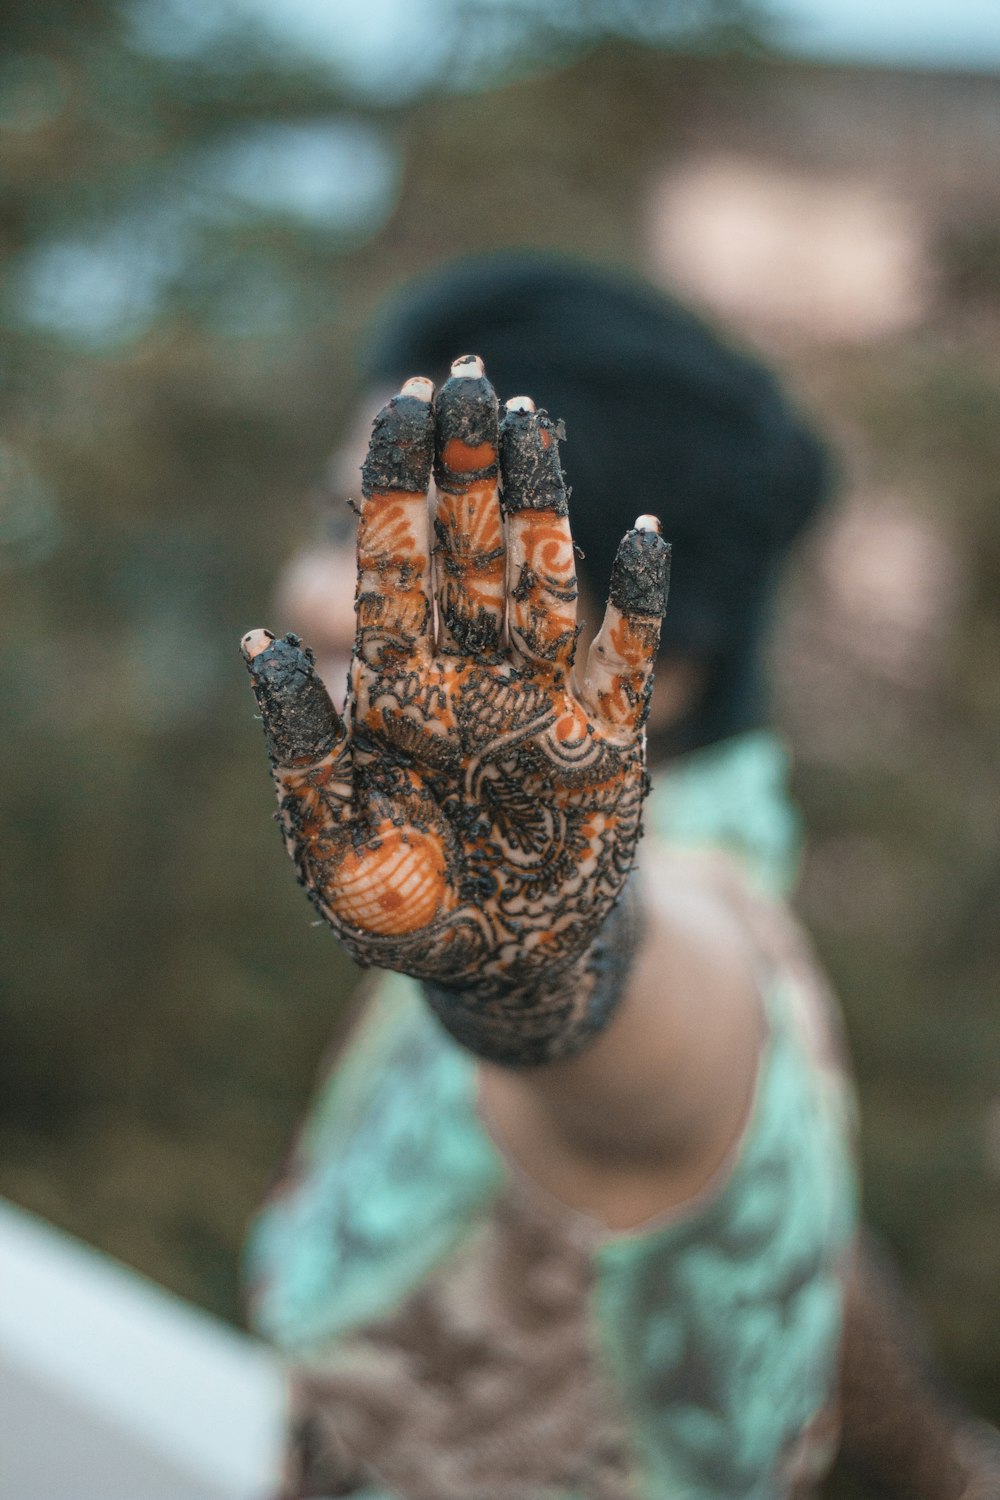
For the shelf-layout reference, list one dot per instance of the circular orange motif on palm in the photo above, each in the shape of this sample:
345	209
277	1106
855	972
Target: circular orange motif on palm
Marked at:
394	886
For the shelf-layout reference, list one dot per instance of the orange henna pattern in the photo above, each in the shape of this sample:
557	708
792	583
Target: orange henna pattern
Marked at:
386	536
475	546
543	596
618	702
470	560
618	678
394	885
547	548
570	726
460	458
633	638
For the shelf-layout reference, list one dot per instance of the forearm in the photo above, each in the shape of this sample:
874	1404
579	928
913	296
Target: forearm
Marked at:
665	1087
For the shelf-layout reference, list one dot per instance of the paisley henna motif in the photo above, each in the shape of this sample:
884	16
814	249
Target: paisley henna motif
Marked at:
473	820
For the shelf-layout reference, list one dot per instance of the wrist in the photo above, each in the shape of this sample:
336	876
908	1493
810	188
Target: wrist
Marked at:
530	1015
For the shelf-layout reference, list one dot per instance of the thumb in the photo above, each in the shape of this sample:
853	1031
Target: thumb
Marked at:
301	725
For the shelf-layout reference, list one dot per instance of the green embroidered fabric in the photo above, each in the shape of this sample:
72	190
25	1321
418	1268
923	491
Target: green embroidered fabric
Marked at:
733	796
391	1173
722	1327
717	1327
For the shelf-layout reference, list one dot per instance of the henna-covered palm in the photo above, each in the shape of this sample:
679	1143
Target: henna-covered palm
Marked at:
473	817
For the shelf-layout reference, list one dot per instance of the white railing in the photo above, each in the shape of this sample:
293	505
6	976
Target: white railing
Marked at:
113	1389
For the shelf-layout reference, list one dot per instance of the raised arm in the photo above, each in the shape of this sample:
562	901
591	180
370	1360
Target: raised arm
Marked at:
473	817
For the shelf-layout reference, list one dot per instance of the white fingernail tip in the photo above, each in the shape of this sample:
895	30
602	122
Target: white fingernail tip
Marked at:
254	642
520	403
419	386
469	366
648	523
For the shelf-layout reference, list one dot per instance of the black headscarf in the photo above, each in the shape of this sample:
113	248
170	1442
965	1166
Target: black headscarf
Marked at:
661	415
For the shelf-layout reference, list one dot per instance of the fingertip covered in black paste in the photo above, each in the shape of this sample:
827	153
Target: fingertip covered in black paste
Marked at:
300	722
402	448
529	463
640	578
467	412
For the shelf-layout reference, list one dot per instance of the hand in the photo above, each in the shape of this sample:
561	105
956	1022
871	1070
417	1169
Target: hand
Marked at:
472	818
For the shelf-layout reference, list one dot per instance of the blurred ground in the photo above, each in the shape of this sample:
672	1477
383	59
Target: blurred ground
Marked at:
166	998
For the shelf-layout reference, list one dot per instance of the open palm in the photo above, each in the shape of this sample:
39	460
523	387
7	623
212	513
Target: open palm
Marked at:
472	818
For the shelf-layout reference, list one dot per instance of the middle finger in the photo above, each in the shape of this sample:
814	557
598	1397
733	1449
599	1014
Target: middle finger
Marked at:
469	555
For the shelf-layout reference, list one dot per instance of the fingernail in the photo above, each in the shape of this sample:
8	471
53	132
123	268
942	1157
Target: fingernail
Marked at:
520	403
420	387
469	366
254	642
648	523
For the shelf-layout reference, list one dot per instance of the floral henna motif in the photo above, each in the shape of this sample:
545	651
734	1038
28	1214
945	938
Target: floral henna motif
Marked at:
473	820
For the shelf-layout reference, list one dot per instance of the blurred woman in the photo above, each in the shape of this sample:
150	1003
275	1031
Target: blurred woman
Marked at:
575	1212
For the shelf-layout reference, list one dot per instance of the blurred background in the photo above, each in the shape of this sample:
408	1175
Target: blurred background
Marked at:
203	202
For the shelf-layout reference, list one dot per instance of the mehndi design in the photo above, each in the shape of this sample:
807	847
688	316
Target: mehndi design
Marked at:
473	817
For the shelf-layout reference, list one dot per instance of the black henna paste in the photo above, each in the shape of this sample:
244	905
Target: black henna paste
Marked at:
467	412
611	957
402	448
300	722
640	578
475	635
529	462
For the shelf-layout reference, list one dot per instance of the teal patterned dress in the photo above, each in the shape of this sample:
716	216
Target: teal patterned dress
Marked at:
453	1333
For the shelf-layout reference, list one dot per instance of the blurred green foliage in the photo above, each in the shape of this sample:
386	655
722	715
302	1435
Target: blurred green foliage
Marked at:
916	953
192	237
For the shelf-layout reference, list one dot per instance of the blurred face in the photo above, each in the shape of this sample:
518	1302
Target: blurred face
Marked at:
315	591
315	594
